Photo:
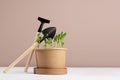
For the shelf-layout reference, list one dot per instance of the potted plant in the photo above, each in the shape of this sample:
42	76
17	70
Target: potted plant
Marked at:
51	56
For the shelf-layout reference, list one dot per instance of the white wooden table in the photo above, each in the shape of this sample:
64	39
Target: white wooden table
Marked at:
74	73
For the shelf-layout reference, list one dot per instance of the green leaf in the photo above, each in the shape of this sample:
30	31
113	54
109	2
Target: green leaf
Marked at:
62	44
38	39
58	40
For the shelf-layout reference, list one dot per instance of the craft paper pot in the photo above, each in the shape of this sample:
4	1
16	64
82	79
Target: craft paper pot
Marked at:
49	59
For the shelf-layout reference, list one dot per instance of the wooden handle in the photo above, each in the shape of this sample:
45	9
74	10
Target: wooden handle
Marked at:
30	56
28	61
29	50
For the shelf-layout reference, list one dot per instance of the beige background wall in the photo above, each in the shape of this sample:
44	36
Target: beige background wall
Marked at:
93	28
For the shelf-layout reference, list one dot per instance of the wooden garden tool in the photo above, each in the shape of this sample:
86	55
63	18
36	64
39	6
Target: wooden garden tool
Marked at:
29	50
42	20
48	33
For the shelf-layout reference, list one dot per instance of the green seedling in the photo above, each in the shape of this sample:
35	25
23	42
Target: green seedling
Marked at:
62	37
59	39
48	42
38	39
